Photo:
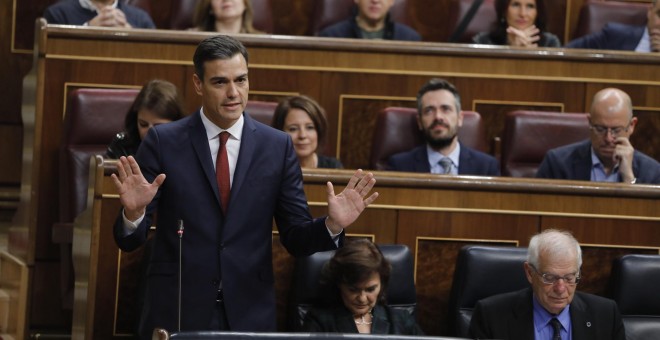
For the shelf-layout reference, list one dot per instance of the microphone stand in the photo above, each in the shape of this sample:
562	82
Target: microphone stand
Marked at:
180	233
465	21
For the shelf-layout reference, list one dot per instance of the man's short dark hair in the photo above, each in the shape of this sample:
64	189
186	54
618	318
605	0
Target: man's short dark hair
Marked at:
217	47
434	85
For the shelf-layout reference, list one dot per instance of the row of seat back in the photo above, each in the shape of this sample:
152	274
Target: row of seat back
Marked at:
595	14
528	135
396	131
480	272
91	120
634	286
305	293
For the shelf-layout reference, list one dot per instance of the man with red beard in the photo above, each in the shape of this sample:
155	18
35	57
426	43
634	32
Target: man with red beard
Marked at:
608	155
439	117
372	21
550	308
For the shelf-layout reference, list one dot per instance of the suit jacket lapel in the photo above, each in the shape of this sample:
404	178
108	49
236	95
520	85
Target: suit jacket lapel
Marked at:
581	323
422	159
582	164
464	160
201	146
380	324
245	154
524	317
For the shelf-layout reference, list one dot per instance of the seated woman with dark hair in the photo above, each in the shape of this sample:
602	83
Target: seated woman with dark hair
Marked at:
304	120
157	103
519	23
356	278
224	16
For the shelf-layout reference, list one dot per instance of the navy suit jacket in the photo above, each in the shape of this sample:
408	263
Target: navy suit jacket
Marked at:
613	36
338	319
510	316
573	161
349	29
72	13
234	248
470	162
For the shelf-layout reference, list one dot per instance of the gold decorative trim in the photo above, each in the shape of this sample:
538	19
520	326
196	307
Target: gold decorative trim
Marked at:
499	211
645	108
369	71
516	102
616	246
118	60
452	74
370	236
340	113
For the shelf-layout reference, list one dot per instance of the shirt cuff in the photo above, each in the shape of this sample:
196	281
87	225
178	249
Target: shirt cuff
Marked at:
130	226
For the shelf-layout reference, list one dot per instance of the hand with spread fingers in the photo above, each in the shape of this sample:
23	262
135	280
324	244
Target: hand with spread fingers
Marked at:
346	207
135	193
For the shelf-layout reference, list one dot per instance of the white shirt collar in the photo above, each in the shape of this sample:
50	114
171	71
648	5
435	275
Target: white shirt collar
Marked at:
434	157
644	43
212	130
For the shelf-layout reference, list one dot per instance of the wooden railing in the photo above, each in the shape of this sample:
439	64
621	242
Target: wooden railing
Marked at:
433	215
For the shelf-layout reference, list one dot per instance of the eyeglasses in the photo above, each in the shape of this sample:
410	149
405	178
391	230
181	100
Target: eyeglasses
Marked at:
550	279
614	131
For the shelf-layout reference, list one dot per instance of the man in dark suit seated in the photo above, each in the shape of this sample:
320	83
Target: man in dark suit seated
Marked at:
439	117
371	22
615	36
608	156
551	308
104	13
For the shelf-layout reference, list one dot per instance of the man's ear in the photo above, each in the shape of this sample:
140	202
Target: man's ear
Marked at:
198	84
528	270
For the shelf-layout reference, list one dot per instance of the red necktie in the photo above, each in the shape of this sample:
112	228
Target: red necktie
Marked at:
222	171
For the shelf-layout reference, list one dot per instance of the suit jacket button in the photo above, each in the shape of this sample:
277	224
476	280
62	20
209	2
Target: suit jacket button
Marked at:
215	282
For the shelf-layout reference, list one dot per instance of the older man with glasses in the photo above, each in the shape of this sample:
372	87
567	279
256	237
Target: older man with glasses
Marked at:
551	309
608	155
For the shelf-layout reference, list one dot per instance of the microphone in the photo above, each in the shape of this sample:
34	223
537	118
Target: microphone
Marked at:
180	233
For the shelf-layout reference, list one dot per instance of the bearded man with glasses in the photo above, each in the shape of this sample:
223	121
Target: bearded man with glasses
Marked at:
551	309
608	155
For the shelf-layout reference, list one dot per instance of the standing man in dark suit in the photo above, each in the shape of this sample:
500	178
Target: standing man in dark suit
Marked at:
439	117
224	176
615	36
551	307
608	155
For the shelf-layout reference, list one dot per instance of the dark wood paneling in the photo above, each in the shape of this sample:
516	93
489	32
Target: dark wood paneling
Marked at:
435	264
435	230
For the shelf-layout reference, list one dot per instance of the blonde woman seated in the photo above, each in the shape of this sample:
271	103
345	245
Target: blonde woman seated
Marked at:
356	278
519	23
224	16
304	120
